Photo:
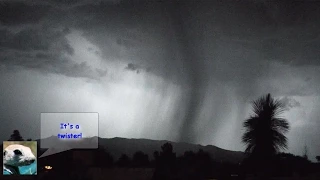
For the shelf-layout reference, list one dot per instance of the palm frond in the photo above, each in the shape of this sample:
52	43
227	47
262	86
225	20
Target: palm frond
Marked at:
280	124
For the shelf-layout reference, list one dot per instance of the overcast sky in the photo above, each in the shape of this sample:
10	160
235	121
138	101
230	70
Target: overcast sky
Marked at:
180	72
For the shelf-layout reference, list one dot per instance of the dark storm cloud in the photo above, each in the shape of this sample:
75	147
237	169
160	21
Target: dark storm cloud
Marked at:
51	63
126	43
287	12
132	67
42	50
134	32
66	2
17	13
294	46
73	3
137	68
40	47
30	39
284	31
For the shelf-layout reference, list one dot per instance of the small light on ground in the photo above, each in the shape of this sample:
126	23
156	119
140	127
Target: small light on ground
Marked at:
48	167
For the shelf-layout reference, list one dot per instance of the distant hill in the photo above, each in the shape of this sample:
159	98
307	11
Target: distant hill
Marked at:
117	146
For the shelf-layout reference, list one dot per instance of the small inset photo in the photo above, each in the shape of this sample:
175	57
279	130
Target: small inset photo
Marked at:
19	157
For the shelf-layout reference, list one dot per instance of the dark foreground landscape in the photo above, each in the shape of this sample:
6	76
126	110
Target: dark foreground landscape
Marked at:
139	159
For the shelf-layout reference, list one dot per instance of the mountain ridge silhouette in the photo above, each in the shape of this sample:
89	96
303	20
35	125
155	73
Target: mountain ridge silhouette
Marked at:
118	145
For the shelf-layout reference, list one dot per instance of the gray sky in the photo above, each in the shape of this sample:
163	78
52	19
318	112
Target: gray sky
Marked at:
153	70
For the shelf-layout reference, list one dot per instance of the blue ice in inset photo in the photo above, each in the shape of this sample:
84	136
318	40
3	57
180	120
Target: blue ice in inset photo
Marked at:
29	170
24	170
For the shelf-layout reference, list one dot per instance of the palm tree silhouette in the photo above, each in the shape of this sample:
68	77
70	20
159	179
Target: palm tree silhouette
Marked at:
265	129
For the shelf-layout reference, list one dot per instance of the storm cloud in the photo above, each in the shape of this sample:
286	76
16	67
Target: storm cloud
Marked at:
43	49
199	64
